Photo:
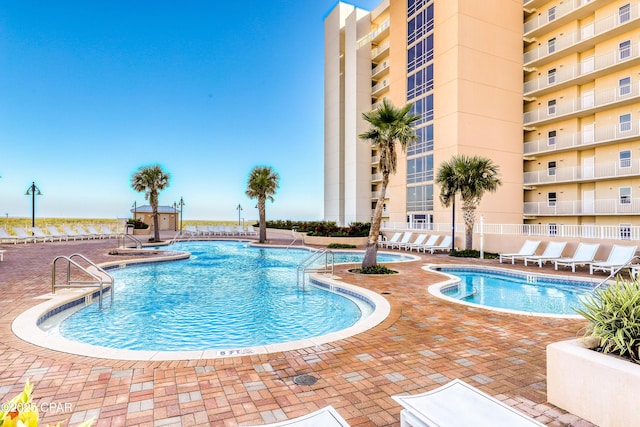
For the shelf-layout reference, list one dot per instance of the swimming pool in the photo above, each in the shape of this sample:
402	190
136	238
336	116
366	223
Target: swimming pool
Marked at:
511	291
228	295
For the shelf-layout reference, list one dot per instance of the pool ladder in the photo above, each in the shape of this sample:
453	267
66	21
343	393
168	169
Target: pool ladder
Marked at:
615	272
99	277
306	265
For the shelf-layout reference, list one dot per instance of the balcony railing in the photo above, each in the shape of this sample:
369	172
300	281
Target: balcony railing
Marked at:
373	34
561	10
584	207
584	105
378	51
589	31
376	194
380	68
376	177
378	88
581	173
589	66
599	135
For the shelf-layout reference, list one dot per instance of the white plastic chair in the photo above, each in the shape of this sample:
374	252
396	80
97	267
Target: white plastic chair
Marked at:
552	252
325	417
585	253
528	249
618	257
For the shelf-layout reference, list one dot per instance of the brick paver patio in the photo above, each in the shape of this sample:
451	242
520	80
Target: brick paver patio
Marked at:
424	343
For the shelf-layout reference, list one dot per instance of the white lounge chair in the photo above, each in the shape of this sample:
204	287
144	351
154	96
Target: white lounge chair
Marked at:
251	231
585	253
528	249
106	231
552	252
444	246
53	231
392	240
92	230
6	237
24	235
82	232
458	404
618	257
405	239
2	251
419	240
325	417
430	241
70	232
39	234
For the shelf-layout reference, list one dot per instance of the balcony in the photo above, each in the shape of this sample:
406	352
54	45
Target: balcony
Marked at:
380	88
380	70
564	12
601	135
583	207
584	38
376	177
532	4
376	194
608	170
587	70
590	103
379	52
380	32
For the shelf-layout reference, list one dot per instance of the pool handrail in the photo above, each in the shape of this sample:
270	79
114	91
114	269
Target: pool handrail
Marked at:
100	276
304	267
629	264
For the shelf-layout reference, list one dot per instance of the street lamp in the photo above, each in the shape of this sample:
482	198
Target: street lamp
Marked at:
239	209
175	218
33	191
181	204
135	207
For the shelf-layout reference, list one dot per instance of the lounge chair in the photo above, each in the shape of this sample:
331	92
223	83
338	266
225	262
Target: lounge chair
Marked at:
106	231
405	239
618	257
24	235
585	253
92	230
528	249
82	232
552	252
419	240
6	237
430	242
70	232
2	251
458	404
388	243
326	416
444	246
53	231
251	231
39	234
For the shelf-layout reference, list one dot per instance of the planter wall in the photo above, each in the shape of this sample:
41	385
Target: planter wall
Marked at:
324	241
141	231
602	389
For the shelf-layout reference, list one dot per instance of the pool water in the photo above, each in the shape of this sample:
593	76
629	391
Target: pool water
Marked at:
519	292
227	295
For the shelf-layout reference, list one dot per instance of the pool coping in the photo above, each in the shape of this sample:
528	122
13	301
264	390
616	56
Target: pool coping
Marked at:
25	325
436	288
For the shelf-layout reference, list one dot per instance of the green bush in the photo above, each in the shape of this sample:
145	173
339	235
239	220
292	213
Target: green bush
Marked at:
340	246
323	228
375	269
472	253
138	224
614	314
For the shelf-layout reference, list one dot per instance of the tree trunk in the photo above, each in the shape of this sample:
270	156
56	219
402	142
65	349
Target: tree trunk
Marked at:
156	230
263	219
469	214
371	251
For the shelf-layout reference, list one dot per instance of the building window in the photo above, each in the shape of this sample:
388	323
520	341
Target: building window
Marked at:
551	14
551	168
423	142
420	198
551	199
420	82
624	13
624	86
420	24
420	53
551	45
625	195
625	159
624	49
551	76
625	122
551	107
551	137
420	169
625	231
553	229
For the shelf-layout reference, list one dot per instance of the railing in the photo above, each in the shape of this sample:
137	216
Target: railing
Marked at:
588	102
585	33
561	10
122	238
571	174
584	207
99	276
380	67
382	85
380	49
599	135
306	265
588	66
373	34
615	272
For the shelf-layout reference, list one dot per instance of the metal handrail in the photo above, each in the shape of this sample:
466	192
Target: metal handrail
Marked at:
616	271
124	237
305	266
100	276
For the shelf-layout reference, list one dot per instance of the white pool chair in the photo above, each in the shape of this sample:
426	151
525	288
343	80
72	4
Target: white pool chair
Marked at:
70	232
83	233
618	257
528	249
457	404
2	251
419	241
431	241
190	230
106	231
405	239
39	234
6	237
443	246
251	231
53	231
325	417
585	253
24	235
388	243
93	230
552	252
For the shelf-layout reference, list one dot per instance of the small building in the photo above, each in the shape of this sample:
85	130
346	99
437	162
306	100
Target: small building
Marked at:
168	216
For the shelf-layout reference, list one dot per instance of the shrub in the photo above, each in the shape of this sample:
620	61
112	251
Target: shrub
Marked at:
323	228
340	246
138	224
614	314
472	253
375	269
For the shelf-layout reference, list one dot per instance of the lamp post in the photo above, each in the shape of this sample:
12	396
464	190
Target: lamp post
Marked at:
33	191
135	207
239	208
175	218
181	204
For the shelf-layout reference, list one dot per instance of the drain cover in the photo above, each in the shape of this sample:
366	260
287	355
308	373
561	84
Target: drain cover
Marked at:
305	379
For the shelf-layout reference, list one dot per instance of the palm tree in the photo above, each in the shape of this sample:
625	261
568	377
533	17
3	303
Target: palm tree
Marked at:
471	176
151	180
262	185
388	126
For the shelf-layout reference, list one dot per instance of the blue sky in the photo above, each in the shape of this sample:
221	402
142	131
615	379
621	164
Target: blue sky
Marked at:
91	91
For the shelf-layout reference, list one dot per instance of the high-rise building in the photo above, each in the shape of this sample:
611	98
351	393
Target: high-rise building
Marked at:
549	90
